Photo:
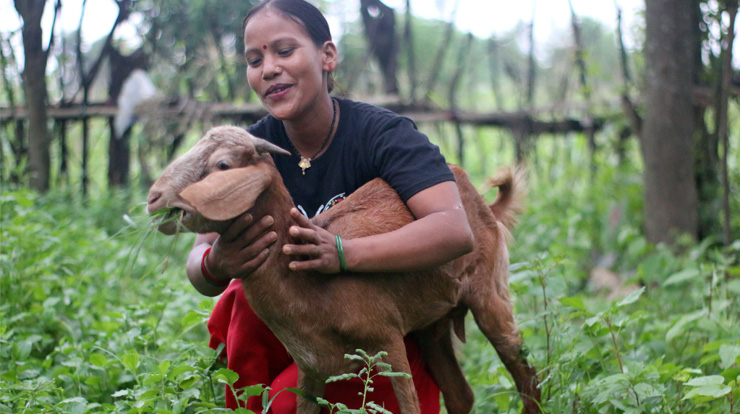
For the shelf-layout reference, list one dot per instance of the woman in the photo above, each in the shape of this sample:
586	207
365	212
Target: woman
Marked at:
338	146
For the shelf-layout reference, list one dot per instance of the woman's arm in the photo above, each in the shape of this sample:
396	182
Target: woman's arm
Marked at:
440	234
238	252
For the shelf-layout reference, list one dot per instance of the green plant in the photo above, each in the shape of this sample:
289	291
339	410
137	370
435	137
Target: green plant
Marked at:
372	367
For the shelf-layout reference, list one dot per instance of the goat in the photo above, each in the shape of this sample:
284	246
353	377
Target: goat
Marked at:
372	312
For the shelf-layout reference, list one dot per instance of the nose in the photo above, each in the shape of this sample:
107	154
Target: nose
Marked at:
270	69
154	196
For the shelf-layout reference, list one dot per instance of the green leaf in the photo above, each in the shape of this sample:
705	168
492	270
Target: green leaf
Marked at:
131	361
99	360
226	376
706	380
713	391
302	393
732	375
252	390
593	320
734	286
382	365
153	378
728	354
575	302
163	367
74	405
179	370
378	408
335	378
680	325
615	378
121	393
394	374
682	276
631	298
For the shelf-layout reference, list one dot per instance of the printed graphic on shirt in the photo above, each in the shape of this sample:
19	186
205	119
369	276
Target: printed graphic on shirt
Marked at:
329	204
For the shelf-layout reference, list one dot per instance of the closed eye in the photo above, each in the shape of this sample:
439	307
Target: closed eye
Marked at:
286	52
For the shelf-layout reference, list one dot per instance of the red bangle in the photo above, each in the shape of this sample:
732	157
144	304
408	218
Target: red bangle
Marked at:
207	276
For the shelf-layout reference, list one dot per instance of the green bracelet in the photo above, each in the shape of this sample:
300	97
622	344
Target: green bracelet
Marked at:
340	251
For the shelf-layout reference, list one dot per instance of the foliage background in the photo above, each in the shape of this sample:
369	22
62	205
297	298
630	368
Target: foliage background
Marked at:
96	314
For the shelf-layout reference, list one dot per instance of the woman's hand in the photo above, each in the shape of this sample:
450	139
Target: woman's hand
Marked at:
242	248
315	248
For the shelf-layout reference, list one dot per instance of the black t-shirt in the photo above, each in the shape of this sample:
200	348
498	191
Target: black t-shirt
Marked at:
370	142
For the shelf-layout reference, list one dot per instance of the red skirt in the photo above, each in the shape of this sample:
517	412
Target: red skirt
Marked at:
255	354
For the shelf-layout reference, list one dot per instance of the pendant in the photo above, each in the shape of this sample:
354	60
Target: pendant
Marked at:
304	164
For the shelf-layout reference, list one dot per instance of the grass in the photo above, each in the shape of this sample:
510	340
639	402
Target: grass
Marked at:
96	314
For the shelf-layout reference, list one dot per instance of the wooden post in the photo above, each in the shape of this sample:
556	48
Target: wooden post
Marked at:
461	66
85	150
61	128
408	41
723	126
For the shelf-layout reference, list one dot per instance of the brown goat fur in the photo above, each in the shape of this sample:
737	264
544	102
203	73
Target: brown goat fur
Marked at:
372	312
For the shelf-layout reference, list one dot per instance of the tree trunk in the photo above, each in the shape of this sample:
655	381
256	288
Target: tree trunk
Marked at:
34	87
723	122
671	199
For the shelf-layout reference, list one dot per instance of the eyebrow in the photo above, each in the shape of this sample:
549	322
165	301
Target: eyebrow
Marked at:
278	40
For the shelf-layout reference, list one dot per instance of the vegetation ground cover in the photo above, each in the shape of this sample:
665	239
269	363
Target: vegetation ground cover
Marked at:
96	314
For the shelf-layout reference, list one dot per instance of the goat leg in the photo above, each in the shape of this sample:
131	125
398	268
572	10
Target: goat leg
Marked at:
435	343
495	319
313	386
403	387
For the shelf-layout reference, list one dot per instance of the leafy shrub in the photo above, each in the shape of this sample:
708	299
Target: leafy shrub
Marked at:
96	314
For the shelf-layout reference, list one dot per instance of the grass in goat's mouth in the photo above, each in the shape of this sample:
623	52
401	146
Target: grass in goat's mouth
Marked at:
146	225
166	215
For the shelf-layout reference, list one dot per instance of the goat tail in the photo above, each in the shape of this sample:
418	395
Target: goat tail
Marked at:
512	189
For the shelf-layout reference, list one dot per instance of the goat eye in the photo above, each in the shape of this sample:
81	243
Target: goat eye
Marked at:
222	165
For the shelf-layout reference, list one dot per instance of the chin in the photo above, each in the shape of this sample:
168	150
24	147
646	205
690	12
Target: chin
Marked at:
287	108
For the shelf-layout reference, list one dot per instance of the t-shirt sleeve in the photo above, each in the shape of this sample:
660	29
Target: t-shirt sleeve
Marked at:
407	160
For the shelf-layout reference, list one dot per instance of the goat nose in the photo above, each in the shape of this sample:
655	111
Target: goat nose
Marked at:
154	196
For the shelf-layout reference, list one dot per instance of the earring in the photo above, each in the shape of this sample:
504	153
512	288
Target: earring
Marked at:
330	68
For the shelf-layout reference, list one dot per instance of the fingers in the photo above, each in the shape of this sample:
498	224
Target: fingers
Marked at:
314	248
244	232
299	218
237	228
305	231
243	247
250	266
320	265
255	231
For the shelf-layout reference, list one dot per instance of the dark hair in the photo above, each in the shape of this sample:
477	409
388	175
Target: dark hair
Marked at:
303	13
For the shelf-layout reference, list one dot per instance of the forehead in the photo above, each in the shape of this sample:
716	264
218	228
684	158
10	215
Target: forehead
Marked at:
269	24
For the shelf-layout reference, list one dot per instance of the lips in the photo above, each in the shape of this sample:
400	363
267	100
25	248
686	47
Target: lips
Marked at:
277	88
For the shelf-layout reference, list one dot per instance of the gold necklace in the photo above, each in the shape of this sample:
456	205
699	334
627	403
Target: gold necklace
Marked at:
305	163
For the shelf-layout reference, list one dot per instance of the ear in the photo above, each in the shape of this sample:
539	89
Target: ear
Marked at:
224	195
330	56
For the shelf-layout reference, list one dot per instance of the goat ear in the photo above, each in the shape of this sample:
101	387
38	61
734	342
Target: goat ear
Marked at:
224	195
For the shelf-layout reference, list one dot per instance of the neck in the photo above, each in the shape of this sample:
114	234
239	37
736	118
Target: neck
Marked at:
309	133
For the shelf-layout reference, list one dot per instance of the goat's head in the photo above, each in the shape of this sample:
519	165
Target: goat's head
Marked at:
214	182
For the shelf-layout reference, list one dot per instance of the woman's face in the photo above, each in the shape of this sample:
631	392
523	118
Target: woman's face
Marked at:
284	66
